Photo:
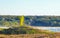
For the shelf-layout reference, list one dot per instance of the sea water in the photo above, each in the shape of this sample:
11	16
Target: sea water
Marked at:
54	29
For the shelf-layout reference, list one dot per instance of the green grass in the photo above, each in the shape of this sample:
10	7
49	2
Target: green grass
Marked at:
1	29
24	30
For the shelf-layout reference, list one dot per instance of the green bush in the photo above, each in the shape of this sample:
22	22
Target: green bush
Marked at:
22	30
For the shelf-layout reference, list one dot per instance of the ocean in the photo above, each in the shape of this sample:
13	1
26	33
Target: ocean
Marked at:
54	29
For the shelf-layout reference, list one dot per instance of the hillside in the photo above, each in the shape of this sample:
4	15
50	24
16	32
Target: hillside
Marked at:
30	20
24	30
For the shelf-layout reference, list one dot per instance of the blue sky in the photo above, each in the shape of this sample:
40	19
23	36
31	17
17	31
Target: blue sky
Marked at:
29	6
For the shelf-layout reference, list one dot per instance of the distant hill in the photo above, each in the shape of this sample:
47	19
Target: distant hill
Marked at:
31	20
43	20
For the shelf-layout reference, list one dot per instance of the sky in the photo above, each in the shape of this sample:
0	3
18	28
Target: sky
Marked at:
32	7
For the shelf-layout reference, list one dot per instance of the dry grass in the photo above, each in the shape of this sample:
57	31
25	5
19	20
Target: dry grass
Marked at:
30	36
